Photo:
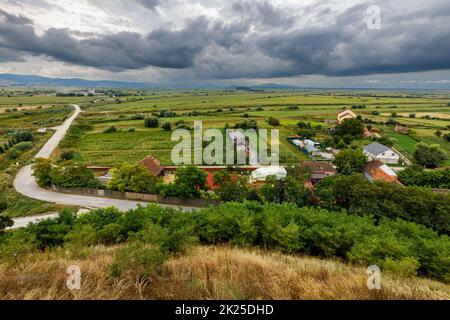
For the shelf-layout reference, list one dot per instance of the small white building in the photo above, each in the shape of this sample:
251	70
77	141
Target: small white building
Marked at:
377	151
42	130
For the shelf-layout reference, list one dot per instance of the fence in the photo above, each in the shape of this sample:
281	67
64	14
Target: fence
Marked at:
198	203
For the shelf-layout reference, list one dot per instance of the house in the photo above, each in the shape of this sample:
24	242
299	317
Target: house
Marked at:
377	151
318	170
42	130
401	129
367	133
312	143
378	171
152	165
330	121
325	155
346	114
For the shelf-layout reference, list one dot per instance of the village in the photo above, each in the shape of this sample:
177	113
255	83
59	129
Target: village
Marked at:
382	161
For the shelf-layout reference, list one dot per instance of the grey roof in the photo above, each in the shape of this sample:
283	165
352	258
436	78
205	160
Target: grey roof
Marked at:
376	148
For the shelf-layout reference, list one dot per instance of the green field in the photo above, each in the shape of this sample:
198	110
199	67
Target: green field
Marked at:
29	110
217	108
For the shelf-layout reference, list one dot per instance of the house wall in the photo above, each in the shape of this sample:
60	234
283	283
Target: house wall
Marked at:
387	158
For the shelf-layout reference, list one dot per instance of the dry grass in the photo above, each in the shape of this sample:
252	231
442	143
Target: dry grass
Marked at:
206	273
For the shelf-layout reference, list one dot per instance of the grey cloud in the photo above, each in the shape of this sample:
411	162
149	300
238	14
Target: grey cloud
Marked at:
151	4
347	47
120	51
254	39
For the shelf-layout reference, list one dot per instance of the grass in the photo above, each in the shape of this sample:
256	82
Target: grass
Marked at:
213	272
405	142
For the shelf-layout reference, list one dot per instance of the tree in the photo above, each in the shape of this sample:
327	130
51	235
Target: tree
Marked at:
110	129
429	156
273	121
13	154
135	178
167	126
230	186
23	135
5	222
350	161
354	127
72	175
438	133
447	137
151	122
42	169
283	190
189	181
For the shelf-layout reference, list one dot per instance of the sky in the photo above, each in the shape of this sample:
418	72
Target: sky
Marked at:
309	43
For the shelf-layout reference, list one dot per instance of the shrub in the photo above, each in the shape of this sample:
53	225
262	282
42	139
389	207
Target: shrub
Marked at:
67	155
42	169
138	116
135	178
151	122
72	175
4	220
429	156
13	154
23	135
167	126
273	121
110	129
25	145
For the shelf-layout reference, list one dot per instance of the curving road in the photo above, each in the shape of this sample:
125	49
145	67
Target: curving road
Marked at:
25	184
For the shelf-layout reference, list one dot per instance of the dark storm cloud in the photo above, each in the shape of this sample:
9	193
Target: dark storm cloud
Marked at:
254	39
347	47
119	51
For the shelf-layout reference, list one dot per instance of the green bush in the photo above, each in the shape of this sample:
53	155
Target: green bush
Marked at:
273	121
151	122
166	126
110	129
25	145
153	233
13	154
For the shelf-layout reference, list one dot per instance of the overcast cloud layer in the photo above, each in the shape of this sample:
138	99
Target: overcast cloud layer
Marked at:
211	40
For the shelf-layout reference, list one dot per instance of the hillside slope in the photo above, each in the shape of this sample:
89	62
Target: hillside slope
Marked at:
205	273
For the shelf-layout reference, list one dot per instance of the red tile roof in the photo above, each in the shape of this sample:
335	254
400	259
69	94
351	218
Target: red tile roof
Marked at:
152	165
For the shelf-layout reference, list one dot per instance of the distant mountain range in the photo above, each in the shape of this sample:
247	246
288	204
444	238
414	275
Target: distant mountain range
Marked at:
32	80
39	81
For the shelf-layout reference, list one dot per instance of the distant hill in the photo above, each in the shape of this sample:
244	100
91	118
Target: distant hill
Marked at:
32	80
39	81
274	86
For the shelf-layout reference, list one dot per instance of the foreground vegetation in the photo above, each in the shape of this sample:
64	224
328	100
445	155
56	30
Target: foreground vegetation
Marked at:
205	272
153	234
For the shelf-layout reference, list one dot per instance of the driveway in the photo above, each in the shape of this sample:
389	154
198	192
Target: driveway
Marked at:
25	184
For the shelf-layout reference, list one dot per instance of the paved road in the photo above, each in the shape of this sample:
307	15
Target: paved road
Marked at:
25	184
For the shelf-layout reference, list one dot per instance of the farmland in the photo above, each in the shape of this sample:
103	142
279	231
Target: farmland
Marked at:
218	108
